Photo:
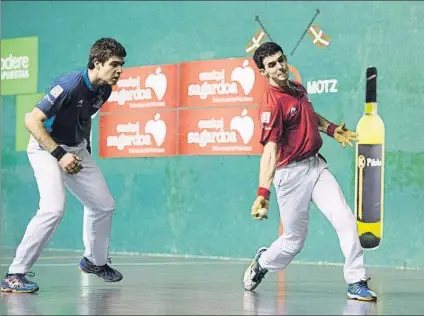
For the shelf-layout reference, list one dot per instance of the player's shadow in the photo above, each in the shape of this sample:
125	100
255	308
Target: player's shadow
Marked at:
262	304
19	303
265	304
354	307
99	301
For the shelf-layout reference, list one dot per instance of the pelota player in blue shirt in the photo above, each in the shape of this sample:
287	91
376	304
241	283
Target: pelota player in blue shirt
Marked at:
58	151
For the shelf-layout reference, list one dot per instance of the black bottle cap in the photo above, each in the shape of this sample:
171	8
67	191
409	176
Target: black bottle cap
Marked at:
371	88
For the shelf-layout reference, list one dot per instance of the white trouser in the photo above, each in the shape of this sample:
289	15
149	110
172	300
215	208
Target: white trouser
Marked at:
88	186
296	186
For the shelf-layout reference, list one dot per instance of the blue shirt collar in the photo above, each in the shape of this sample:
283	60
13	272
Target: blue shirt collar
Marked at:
87	81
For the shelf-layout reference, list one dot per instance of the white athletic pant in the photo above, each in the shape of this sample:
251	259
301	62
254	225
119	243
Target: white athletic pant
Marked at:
297	185
88	186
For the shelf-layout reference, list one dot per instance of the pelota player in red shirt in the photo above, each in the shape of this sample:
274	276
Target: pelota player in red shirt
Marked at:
291	162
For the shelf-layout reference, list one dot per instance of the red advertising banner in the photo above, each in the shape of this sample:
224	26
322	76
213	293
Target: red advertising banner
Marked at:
219	131
145	87
146	134
221	82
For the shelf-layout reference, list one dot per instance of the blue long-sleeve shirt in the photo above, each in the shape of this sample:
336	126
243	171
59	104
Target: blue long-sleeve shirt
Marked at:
69	105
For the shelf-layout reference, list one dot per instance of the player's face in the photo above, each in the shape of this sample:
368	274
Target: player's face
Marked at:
276	69
111	70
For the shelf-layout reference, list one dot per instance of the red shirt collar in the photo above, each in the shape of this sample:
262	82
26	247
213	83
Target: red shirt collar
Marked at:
286	90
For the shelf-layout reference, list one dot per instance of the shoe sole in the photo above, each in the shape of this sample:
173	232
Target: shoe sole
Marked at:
361	298
254	259
7	290
87	272
253	287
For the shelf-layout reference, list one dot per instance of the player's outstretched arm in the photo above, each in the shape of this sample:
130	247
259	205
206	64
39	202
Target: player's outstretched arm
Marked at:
267	168
323	123
340	133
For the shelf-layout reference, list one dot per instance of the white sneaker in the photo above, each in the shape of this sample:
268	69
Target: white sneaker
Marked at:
254	273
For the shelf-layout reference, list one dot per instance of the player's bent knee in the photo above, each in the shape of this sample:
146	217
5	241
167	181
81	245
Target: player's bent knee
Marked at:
103	203
55	214
292	248
111	207
108	205
111	203
52	208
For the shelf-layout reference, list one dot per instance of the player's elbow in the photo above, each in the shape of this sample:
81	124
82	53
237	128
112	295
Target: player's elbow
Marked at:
30	122
33	119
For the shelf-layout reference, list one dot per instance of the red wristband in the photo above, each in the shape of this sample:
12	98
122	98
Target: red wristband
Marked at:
330	129
264	192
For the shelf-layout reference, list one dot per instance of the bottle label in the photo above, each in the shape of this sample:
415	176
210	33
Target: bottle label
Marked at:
369	184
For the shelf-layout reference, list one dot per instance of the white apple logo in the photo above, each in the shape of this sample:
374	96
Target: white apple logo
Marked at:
244	125
157	82
244	76
157	128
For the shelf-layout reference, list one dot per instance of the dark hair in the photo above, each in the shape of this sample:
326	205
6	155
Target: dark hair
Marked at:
265	50
103	49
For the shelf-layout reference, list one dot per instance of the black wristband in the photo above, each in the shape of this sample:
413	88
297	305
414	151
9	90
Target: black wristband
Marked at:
58	153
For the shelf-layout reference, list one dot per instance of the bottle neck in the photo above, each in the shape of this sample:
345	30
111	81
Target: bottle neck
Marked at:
370	108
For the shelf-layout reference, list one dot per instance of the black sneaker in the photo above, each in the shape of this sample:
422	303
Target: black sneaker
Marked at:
105	272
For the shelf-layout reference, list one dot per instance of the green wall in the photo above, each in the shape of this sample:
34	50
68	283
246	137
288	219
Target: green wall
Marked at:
200	205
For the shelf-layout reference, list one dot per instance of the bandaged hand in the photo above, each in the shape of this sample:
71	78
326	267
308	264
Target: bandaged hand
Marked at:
70	163
345	136
261	205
